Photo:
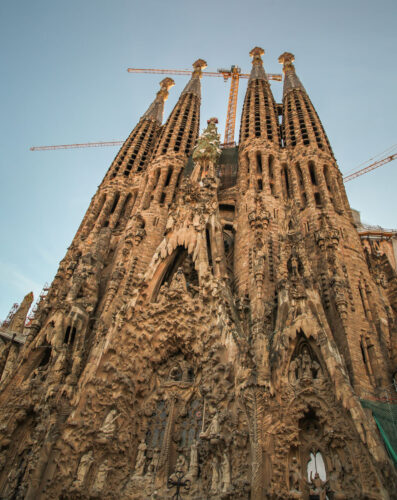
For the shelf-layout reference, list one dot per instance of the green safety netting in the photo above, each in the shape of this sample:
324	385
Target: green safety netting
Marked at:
385	415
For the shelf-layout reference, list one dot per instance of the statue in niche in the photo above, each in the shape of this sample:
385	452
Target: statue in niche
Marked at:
295	476
305	364
212	433
304	367
140	459
106	432
82	471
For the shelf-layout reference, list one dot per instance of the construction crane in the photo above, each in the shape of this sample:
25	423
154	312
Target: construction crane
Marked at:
234	73
370	167
73	146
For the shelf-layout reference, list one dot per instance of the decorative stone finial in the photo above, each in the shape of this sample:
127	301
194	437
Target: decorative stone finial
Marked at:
198	66
286	59
193	86
291	81
214	119
256	54
167	83
257	72
156	109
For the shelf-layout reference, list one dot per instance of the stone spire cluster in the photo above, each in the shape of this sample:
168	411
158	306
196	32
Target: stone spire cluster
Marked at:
231	336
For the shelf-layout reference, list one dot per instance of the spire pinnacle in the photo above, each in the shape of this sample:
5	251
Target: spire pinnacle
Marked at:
291	80
257	72
193	86
156	109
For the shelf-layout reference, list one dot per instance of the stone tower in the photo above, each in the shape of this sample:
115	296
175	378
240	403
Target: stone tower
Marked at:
216	327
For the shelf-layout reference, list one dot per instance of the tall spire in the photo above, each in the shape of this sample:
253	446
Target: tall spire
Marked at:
291	80
156	109
180	131
259	117
193	86
136	152
257	71
301	124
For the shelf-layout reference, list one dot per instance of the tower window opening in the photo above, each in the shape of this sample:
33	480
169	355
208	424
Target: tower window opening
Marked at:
72	336
209	252
286	183
312	173
67	335
260	185
259	163
167	181
162	199
46	357
317	199
116	200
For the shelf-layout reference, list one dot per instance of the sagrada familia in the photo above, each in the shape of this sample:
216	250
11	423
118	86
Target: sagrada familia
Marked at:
217	329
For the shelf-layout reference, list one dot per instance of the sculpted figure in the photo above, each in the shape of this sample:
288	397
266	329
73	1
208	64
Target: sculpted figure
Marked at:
153	464
213	430
317	486
293	370
225	469
181	464
306	363
140	459
294	475
109	426
101	476
82	471
215	475
193	466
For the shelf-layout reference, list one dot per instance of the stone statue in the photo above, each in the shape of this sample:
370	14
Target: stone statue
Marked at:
193	466
293	370
225	472
82	471
305	364
295	475
140	459
317	486
100	479
215	475
213	431
181	464
153	464
108	428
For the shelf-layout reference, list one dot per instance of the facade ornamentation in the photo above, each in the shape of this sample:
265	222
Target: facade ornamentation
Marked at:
203	338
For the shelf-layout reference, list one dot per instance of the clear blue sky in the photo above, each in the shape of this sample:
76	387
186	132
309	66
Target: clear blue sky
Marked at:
64	80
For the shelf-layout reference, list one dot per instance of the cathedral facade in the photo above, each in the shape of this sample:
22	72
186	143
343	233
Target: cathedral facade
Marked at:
215	327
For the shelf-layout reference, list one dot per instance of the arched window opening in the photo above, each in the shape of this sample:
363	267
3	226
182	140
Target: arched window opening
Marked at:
259	163
72	336
315	466
312	173
327	178
286	183
116	200
162	199
260	185
67	335
46	357
317	199
169	174
123	210
209	250
271	174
